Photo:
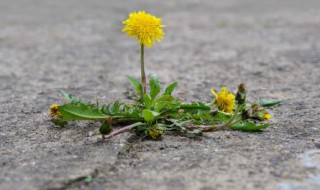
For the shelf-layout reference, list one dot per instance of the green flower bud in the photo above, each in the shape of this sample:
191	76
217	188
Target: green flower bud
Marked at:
241	94
255	108
261	115
106	127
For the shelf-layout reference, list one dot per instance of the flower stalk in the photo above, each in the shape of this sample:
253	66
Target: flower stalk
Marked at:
147	29
143	73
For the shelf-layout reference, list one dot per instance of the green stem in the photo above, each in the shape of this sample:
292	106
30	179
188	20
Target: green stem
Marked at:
143	74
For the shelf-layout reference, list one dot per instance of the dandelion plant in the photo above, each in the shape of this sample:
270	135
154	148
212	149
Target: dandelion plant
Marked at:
157	111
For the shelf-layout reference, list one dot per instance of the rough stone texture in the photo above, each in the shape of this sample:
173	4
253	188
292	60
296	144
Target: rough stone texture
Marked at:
77	46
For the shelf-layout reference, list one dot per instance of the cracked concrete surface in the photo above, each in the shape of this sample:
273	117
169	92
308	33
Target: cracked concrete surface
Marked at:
77	46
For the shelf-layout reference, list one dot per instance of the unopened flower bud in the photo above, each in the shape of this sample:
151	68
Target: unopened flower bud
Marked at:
255	108
262	115
106	127
241	94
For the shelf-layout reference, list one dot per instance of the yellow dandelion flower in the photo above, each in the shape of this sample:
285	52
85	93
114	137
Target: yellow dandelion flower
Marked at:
145	27
225	100
266	117
155	133
54	110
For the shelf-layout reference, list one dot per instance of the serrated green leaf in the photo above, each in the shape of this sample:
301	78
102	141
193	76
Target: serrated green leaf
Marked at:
154	86
112	109
122	109
170	88
136	84
269	103
80	112
249	126
116	106
71	97
149	115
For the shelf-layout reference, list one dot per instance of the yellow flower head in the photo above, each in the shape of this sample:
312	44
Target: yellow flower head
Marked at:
54	110
266	116
225	100
144	27
154	133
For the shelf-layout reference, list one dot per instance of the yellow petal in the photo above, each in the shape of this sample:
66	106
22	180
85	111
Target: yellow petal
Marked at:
214	92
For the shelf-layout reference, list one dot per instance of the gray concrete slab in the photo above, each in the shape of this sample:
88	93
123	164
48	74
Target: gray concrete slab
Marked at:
77	46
